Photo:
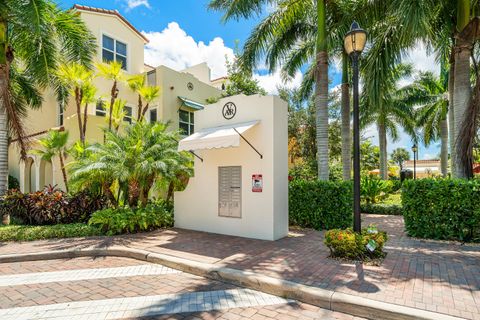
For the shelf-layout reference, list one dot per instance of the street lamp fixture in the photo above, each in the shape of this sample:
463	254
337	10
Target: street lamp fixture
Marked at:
415	150
354	44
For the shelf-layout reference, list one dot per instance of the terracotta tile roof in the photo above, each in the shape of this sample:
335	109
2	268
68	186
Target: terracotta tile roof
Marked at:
110	12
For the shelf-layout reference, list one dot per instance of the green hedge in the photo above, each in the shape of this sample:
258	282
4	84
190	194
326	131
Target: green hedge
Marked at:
442	209
30	233
320	204
382	208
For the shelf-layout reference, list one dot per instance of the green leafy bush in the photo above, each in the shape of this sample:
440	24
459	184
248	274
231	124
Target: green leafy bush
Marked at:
320	204
345	243
13	183
442	209
127	220
30	233
50	206
382	208
373	190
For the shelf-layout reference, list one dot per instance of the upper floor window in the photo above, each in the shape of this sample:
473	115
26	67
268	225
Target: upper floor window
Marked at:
186	122
153	115
114	50
128	114
100	109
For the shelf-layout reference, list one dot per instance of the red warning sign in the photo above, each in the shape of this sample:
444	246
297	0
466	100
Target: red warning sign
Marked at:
257	183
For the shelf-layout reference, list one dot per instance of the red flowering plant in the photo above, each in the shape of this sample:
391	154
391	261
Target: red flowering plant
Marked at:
345	243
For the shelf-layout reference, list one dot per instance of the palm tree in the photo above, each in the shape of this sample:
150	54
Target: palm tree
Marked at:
133	160
113	71
34	37
53	145
118	113
89	96
431	94
293	35
389	113
77	80
149	94
136	82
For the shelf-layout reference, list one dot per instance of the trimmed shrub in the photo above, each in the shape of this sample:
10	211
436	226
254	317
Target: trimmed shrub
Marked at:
125	220
355	246
320	204
382	208
50	206
446	209
30	233
13	183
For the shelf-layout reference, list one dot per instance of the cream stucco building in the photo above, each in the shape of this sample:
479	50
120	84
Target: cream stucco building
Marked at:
182	94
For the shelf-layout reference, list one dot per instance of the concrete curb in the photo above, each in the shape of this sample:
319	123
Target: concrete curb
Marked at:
327	299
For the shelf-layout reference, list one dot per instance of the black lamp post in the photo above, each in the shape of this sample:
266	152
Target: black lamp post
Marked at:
354	44
415	150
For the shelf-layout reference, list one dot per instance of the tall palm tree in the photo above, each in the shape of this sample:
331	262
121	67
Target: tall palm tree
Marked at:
112	71
136	82
346	128
431	95
34	37
462	85
149	94
293	35
77	80
389	113
54	144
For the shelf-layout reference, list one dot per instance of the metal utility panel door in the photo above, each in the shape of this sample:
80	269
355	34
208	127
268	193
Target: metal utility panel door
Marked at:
230	192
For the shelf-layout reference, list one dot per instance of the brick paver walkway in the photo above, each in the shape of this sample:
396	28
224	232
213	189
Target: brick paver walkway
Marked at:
435	276
140	294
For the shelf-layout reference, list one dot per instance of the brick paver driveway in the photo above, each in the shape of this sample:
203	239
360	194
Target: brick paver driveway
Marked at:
436	276
119	288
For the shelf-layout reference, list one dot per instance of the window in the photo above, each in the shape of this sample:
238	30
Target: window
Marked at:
114	50
230	192
60	115
186	122
128	114
100	108
153	115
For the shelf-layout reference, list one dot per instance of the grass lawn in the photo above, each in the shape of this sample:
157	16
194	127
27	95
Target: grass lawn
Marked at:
394	198
30	233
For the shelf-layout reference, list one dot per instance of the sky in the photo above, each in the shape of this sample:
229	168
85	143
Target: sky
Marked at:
183	33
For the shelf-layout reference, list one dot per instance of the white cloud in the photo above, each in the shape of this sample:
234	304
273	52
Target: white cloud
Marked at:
270	82
421	60
132	4
174	48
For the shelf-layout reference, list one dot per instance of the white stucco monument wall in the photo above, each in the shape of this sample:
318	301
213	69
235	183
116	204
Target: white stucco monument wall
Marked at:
234	191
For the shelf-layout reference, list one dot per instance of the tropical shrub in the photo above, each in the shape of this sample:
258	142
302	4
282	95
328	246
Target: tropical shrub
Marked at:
442	208
373	190
320	204
50	206
13	183
345	243
130	163
127	220
30	233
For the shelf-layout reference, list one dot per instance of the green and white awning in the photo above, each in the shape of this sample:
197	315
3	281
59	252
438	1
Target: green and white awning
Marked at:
191	104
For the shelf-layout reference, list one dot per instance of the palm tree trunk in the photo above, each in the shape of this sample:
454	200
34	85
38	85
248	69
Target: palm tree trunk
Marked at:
346	131
462	86
451	116
78	102
85	116
145	110
113	96
382	137
64	173
140	107
444	147
171	188
3	108
321	92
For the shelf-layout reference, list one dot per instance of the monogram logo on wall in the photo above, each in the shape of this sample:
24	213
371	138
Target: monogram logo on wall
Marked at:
229	110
